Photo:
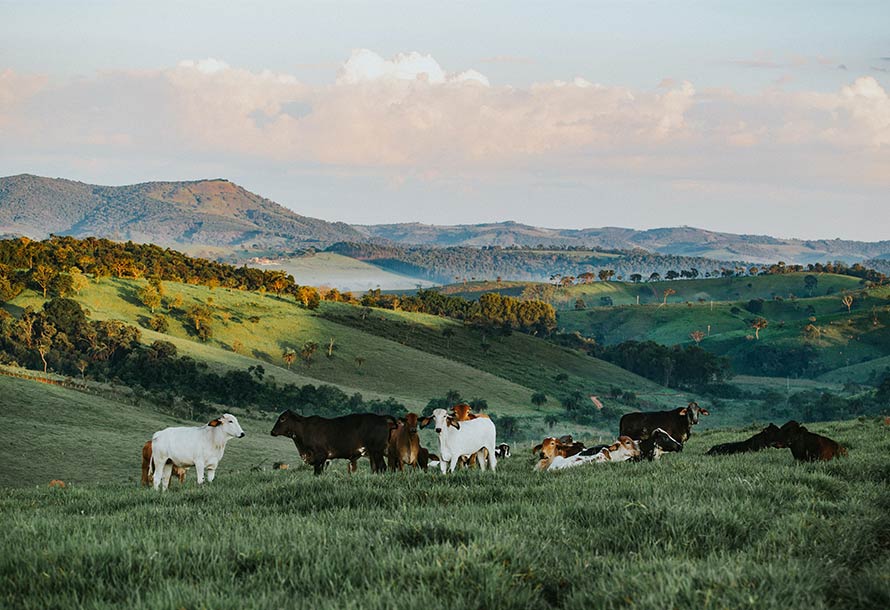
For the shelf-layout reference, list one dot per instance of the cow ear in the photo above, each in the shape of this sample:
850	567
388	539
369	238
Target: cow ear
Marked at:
683	411
704	412
453	422
424	421
214	423
471	416
537	448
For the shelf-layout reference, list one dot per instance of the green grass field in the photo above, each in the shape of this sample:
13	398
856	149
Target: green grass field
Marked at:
344	273
690	531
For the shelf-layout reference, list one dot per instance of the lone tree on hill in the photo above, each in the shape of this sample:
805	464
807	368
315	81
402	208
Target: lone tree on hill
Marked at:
848	301
289	356
150	297
758	325
539	398
697	336
668	292
307	352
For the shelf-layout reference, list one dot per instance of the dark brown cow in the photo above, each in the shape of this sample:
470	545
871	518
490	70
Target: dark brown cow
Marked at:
807	446
319	439
148	467
404	444
771	436
678	423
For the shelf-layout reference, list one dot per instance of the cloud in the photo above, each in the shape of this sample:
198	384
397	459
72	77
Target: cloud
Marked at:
507	59
409	115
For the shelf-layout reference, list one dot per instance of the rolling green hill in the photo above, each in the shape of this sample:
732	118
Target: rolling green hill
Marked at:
381	353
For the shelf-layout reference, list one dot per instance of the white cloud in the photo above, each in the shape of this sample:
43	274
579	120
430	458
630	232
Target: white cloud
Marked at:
367	66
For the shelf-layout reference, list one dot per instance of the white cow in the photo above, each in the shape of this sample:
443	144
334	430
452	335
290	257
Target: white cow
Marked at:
201	447
464	438
621	451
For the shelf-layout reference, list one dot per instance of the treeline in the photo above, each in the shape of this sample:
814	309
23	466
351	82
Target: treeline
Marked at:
53	266
61	338
679	366
492	310
464	263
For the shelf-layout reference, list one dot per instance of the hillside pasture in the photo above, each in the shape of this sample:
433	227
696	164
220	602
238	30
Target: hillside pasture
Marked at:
689	531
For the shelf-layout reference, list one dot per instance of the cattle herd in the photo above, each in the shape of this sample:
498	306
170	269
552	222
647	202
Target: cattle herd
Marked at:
465	439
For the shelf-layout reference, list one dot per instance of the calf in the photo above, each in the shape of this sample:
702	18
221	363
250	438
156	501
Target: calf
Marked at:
404	444
148	467
659	442
807	446
457	439
562	449
462	412
201	447
319	439
502	451
771	436
678	423
624	449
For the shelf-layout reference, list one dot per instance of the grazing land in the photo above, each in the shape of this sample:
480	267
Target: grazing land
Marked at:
689	531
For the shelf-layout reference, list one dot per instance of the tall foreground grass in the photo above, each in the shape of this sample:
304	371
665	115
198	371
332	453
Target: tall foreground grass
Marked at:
690	531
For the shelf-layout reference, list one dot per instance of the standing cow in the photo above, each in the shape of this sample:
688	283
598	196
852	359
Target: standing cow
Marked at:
201	447
677	423
457	439
319	439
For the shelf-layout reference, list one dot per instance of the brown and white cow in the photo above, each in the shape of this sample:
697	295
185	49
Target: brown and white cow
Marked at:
148	467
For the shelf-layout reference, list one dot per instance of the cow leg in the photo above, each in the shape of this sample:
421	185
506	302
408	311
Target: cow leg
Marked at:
199	470
492	460
454	461
443	465
480	458
158	475
166	473
318	467
211	473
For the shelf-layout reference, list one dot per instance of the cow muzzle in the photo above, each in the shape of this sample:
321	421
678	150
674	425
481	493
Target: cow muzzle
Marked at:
438	430
242	435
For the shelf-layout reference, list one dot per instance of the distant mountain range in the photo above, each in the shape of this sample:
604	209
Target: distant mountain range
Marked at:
202	212
221	213
679	241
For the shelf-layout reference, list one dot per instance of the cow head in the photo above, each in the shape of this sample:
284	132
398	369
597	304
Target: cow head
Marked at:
566	439
692	411
284	423
410	421
228	424
771	436
624	449
443	420
461	412
548	448
504	450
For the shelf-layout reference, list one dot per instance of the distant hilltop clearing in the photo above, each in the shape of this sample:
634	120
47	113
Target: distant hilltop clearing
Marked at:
202	212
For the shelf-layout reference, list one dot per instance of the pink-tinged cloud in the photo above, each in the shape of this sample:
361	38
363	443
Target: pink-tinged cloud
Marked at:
409	114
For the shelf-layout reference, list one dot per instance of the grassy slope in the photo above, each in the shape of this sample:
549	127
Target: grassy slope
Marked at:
716	289
405	355
758	531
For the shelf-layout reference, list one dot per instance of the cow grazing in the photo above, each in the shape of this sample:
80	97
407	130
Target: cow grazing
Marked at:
148	467
658	443
678	423
771	436
201	447
502	451
807	446
457	439
404	444
350	437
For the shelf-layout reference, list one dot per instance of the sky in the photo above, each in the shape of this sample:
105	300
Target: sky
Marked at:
747	117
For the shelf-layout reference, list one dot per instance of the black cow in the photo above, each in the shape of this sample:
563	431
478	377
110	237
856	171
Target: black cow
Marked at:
771	436
678	423
502	451
319	439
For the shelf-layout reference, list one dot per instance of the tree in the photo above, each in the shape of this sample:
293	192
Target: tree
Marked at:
78	280
697	336
551	420
448	332
201	319
159	323
810	282
539	398
580	305
289	356
43	276
668	292
848	301
636	278
331	348
452	397
150	297
606	274
307	352
758	325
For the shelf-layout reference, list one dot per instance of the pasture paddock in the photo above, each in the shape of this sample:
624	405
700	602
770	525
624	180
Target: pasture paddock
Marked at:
689	531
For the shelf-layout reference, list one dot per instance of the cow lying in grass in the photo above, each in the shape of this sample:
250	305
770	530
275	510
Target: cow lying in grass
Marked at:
658	443
807	446
771	436
624	449
201	447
